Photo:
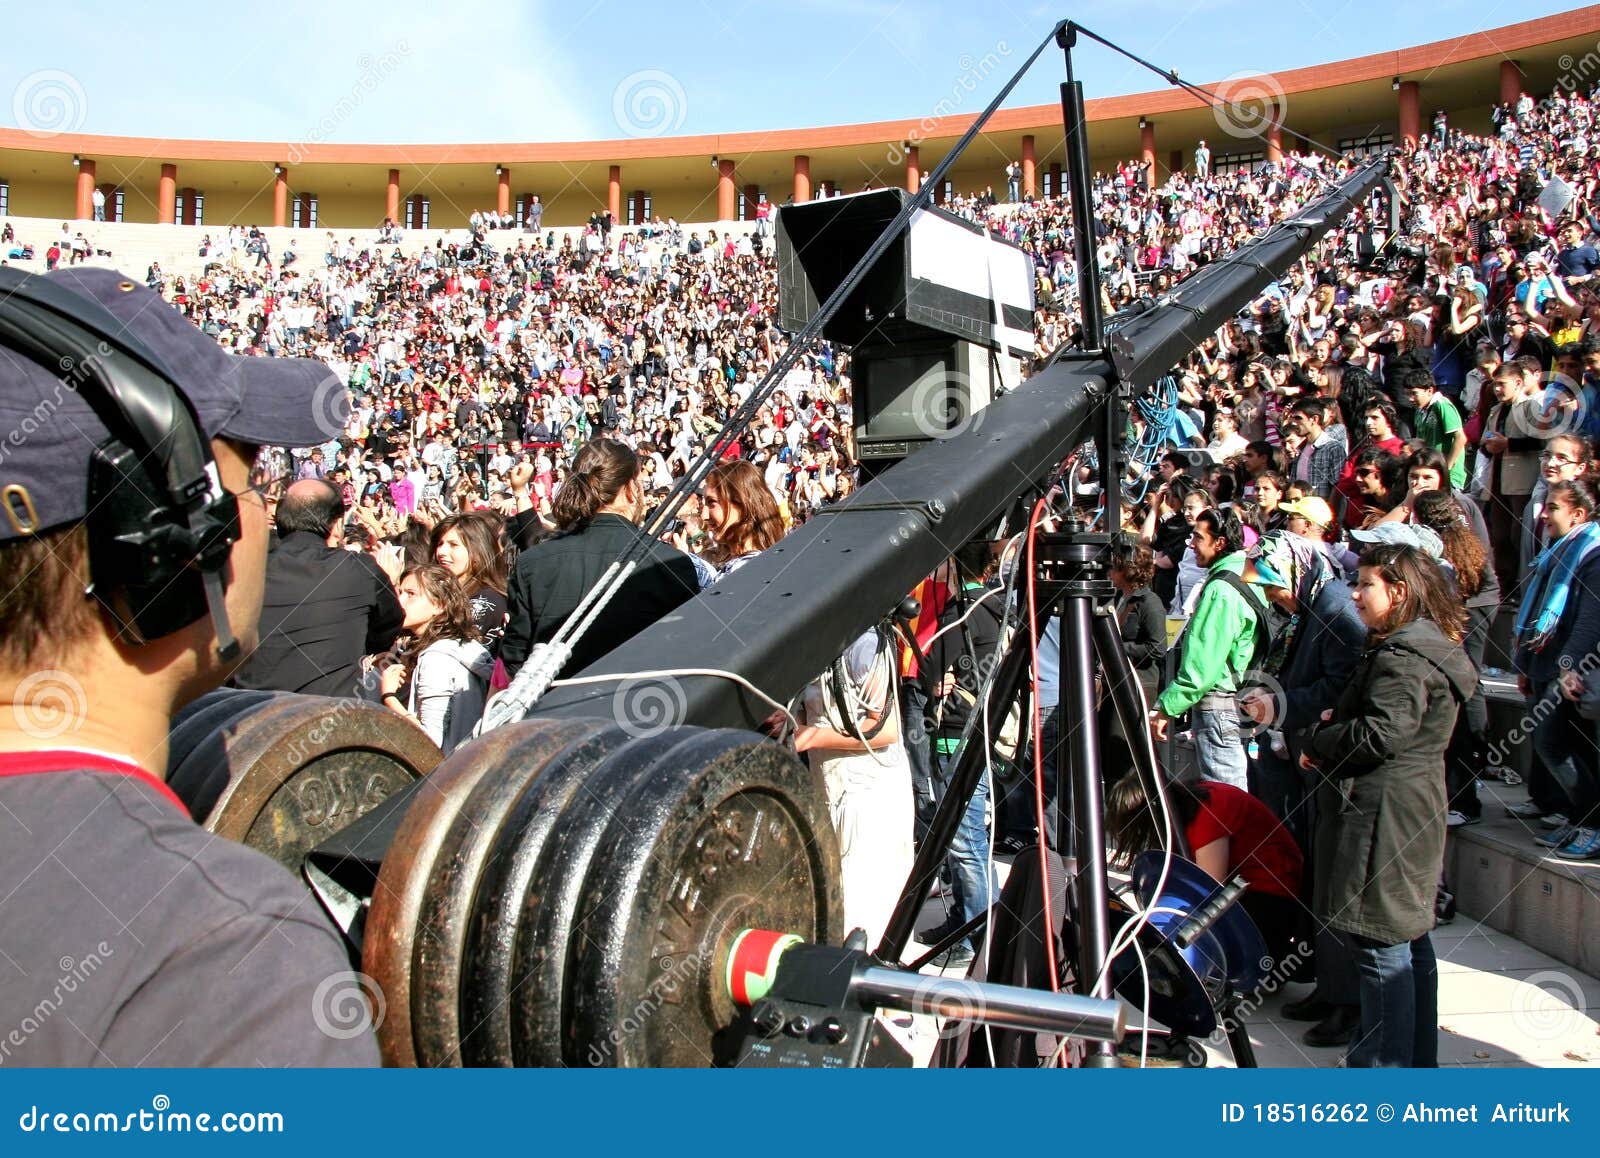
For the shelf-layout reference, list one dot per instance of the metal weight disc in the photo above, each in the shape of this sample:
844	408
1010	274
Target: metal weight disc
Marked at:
300	768
734	834
508	874
199	785
391	925
541	981
447	904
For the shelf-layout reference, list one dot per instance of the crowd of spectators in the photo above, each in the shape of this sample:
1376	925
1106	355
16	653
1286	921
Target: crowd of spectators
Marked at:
1335	495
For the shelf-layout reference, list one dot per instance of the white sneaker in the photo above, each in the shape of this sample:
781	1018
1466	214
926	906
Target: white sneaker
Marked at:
1455	819
1556	820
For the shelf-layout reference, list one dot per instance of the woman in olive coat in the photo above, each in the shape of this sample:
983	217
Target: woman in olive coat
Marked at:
1381	799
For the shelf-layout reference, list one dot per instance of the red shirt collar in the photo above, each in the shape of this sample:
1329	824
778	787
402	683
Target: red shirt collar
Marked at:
73	760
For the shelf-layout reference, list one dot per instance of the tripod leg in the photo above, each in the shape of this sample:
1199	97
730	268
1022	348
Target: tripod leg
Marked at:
1127	697
1085	807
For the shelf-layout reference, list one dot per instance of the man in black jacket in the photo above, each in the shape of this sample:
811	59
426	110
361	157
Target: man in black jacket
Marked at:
599	509
324	607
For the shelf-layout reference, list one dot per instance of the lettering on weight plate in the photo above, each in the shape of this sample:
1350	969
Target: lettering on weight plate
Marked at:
340	793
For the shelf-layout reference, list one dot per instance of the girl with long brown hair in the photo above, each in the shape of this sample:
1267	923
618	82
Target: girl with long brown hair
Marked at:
438	672
471	546
741	514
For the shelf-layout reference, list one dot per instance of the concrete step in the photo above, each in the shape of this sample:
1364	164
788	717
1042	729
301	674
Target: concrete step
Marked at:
1503	880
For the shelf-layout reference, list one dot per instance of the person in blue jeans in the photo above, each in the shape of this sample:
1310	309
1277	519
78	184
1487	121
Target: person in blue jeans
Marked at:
958	661
1226	636
1378	756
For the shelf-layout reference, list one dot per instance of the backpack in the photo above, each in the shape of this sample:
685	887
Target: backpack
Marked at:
1263	633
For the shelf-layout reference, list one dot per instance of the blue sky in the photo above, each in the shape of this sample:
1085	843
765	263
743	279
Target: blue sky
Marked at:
539	71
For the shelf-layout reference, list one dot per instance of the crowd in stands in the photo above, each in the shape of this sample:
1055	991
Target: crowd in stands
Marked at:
1336	495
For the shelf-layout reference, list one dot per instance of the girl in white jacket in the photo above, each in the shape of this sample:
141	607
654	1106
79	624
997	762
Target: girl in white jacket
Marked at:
438	674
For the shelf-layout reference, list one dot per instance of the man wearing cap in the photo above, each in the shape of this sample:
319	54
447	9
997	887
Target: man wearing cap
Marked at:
1224	638
133	937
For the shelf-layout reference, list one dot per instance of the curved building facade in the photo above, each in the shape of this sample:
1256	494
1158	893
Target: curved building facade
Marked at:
1384	98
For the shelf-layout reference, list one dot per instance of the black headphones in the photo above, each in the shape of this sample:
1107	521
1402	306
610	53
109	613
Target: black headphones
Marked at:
161	526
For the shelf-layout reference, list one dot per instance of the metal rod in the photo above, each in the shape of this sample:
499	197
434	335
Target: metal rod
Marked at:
1084	809
1102	1020
958	792
1077	172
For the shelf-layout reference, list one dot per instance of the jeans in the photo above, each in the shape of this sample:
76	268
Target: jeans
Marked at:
1217	749
974	885
1013	189
1399	1004
1565	741
919	746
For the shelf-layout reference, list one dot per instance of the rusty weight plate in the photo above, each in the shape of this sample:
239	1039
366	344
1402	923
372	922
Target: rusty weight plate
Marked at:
508	874
391	925
199	786
735	834
445	913
540	983
300	768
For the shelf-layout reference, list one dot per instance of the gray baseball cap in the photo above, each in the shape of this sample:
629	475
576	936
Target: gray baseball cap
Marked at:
48	432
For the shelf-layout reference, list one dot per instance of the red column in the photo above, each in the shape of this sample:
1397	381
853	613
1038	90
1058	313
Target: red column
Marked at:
614	192
391	201
280	197
1029	168
86	189
913	169
1275	142
1147	152
1410	111
802	179
167	195
502	192
1511	81
726	200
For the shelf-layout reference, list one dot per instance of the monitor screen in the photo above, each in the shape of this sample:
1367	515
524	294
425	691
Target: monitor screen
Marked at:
911	395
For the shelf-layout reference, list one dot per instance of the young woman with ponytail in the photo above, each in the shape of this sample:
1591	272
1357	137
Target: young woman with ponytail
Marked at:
597	511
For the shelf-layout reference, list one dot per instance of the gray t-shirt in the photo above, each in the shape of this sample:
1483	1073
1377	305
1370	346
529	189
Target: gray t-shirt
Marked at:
129	936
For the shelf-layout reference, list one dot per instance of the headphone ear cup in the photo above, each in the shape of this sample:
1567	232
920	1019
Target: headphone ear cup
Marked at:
139	551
